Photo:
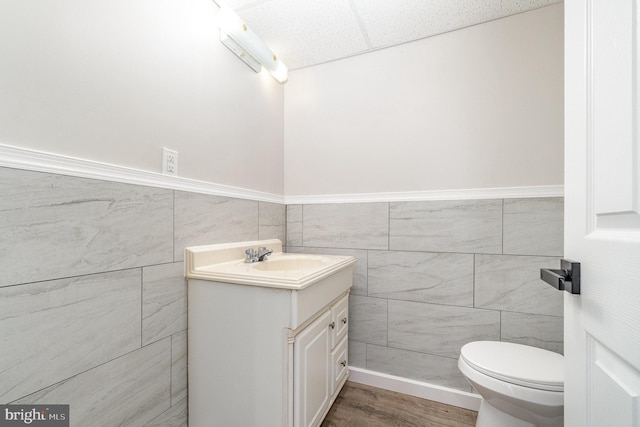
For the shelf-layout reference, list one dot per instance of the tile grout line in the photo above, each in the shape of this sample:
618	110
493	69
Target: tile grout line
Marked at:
173	236
286	228
171	371
502	229
388	229
474	282
105	272
386	301
141	304
259	206
366	349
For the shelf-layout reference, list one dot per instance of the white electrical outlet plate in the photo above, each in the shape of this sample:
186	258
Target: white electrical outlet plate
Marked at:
169	162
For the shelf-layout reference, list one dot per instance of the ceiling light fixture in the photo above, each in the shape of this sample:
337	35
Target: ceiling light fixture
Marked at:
237	36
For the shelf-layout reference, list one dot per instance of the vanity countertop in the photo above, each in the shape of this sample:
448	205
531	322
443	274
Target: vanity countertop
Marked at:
226	263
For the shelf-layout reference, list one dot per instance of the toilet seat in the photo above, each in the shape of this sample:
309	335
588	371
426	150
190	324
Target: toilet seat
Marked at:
516	364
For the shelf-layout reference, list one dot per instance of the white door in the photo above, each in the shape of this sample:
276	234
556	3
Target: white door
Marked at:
602	217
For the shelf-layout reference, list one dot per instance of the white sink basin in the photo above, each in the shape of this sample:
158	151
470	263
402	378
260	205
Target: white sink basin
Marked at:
225	263
291	263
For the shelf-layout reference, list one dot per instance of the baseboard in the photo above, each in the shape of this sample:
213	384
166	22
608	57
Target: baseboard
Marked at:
415	388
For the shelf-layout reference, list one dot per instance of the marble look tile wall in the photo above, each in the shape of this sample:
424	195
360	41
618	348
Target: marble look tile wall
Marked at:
92	295
54	329
421	276
201	219
465	226
354	225
126	391
55	226
164	301
434	275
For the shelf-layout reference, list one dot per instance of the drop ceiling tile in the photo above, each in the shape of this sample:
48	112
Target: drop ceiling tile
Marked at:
239	4
389	23
305	32
308	32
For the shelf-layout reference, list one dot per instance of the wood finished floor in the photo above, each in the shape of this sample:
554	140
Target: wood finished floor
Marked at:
360	405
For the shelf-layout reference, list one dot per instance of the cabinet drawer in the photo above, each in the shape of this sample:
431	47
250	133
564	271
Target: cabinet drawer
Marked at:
340	318
339	363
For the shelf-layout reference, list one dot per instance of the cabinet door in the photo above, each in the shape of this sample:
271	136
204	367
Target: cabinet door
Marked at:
312	373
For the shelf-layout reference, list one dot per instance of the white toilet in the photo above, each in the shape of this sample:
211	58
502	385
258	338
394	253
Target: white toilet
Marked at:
521	386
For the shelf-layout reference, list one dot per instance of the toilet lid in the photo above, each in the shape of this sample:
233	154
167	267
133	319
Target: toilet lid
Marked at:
517	364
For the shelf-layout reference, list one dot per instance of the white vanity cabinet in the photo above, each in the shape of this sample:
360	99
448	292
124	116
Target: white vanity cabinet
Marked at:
266	355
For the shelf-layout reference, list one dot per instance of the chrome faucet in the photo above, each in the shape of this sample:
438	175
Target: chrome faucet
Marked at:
263	253
257	256
252	256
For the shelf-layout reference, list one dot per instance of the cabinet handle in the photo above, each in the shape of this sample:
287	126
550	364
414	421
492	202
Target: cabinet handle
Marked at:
332	325
343	363
344	320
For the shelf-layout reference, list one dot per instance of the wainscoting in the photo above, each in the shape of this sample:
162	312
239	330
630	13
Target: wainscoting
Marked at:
93	299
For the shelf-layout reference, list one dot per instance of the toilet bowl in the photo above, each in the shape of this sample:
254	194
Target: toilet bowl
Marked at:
520	386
